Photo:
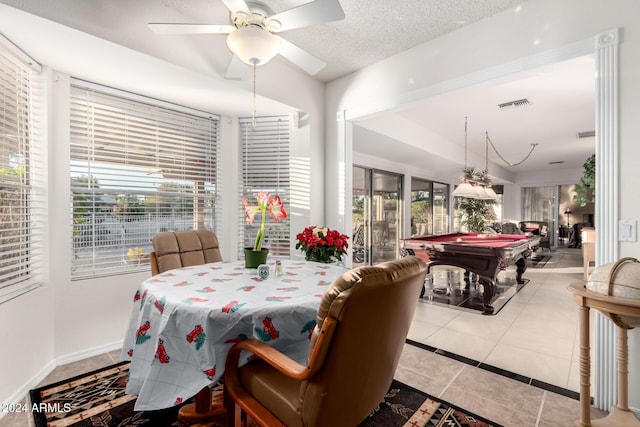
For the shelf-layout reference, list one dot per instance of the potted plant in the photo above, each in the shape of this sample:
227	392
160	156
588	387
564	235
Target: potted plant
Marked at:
475	214
322	244
585	189
256	255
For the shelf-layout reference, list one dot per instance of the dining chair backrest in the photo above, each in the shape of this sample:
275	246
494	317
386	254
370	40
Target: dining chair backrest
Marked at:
361	326
175	249
374	307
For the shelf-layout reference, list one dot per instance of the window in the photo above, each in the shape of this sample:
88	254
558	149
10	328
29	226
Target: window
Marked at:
264	166
429	207
376	215
138	167
22	171
421	207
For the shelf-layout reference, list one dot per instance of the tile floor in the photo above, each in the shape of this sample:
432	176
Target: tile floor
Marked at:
534	336
532	343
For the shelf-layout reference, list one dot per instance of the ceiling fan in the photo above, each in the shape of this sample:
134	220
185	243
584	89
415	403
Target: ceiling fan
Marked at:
253	28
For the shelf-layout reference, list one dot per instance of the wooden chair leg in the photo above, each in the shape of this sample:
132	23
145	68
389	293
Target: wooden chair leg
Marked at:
206	407
230	408
239	416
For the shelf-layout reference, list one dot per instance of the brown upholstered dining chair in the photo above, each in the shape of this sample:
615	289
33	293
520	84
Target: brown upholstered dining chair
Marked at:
175	249
362	323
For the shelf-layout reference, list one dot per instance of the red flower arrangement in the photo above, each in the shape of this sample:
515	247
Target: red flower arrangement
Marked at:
322	244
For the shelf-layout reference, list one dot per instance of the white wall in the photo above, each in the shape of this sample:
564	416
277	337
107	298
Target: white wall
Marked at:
28	336
495	44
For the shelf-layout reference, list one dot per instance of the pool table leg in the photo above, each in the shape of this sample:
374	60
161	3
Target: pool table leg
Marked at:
489	291
521	267
427	277
471	281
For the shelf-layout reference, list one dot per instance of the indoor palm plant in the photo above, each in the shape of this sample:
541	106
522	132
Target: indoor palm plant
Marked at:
475	214
585	189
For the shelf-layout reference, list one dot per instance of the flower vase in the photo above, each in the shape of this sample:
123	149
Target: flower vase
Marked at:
313	256
252	259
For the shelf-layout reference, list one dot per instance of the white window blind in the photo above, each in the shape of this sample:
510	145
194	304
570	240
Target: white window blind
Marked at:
264	166
22	171
138	167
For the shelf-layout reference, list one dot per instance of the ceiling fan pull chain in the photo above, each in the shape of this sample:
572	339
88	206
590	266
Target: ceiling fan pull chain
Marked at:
253	122
533	146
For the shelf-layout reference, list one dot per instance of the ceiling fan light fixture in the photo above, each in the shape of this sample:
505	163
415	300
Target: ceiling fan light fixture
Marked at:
253	45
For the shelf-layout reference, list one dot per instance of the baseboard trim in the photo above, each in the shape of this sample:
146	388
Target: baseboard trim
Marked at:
33	382
90	352
22	393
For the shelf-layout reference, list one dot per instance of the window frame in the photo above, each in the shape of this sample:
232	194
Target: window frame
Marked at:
138	166
23	148
260	137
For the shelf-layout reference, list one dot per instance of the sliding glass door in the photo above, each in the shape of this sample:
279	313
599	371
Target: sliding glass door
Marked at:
376	215
440	208
429	207
538	204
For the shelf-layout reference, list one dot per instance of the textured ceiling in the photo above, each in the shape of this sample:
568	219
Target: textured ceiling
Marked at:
372	30
377	29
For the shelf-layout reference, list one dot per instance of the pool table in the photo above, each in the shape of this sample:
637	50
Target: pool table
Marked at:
483	254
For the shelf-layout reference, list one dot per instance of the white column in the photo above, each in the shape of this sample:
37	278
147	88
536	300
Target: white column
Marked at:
607	208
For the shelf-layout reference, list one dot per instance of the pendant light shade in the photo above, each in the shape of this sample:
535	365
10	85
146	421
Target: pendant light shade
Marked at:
465	190
253	45
492	194
473	187
481	193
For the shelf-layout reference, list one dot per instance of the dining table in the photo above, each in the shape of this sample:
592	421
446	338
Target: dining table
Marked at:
184	321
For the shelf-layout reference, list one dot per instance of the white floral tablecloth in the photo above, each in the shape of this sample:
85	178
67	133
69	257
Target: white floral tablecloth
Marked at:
184	321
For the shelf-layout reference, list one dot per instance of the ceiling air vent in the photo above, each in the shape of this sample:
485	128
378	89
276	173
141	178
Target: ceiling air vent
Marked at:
588	134
517	103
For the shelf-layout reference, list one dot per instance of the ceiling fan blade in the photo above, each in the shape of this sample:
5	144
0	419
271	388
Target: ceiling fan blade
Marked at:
315	12
168	29
301	58
236	70
236	6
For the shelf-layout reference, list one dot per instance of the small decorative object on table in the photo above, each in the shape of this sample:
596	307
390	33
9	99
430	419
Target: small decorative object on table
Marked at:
263	271
257	254
322	244
278	268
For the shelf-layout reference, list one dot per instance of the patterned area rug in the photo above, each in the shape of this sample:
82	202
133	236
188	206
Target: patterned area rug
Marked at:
408	407
97	399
